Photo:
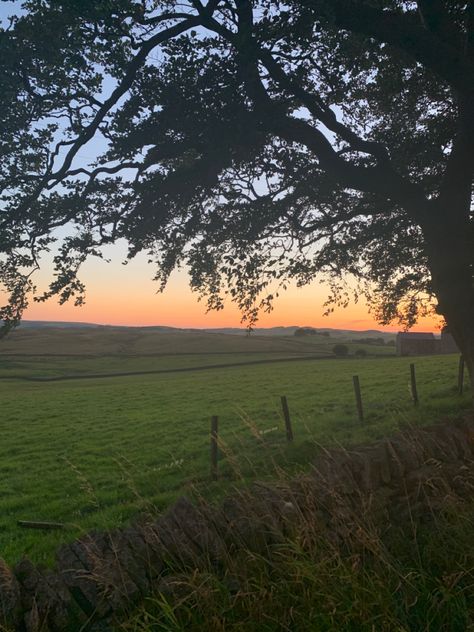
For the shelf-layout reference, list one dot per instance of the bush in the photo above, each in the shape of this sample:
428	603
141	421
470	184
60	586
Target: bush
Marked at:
370	341
361	353
340	350
305	331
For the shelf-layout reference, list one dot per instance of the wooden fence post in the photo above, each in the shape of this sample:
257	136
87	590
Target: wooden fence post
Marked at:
214	431
414	390
461	375
286	415
358	396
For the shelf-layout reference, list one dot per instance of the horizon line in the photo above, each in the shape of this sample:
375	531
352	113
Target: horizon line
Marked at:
239	327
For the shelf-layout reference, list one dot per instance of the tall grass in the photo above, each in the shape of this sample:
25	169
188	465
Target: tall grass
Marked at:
362	573
417	581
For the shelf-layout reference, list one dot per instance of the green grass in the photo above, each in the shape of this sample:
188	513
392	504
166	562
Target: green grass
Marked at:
93	453
54	353
57	366
48	367
112	341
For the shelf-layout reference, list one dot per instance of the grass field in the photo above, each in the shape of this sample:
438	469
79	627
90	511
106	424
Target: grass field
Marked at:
93	452
139	342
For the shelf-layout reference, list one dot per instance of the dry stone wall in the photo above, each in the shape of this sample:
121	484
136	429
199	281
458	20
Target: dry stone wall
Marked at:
101	575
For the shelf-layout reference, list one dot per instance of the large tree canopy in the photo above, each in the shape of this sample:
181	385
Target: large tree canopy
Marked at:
254	141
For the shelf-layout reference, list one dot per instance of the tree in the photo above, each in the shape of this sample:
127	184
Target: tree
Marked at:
370	341
340	350
305	331
256	142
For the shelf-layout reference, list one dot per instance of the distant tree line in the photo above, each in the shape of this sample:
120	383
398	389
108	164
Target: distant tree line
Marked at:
310	331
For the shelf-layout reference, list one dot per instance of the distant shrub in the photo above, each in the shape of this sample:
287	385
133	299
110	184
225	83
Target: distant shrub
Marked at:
310	331
340	350
305	331
370	341
361	353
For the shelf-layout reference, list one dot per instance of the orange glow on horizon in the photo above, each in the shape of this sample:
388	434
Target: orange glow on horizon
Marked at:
139	305
125	295
187	312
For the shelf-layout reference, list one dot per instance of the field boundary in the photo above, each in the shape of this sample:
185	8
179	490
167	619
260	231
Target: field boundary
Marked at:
226	365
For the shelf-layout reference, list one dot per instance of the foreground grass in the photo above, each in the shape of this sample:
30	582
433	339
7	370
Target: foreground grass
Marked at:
93	453
411	579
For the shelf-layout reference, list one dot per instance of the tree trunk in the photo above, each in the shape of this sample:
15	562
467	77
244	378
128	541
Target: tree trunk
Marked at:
450	259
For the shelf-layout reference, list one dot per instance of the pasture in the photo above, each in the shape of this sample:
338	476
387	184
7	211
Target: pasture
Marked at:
94	452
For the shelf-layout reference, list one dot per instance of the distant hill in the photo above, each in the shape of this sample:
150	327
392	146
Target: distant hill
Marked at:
42	324
290	331
233	331
258	331
53	338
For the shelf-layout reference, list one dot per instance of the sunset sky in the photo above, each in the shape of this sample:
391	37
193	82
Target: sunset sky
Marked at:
126	295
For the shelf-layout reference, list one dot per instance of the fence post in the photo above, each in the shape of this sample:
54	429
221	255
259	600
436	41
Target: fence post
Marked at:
286	415
358	396
214	431
414	390
461	375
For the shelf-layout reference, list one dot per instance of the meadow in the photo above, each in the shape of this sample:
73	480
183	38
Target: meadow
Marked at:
95	452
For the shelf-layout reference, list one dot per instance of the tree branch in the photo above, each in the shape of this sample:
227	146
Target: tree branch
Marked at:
436	18
469	41
51	179
99	170
405	32
320	111
380	179
457	182
122	88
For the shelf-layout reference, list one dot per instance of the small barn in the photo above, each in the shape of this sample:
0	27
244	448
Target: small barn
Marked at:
417	343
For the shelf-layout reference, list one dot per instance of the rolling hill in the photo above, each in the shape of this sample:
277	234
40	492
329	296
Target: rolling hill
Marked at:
99	340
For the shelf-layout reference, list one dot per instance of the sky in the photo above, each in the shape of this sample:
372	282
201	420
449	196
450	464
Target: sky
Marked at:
126	295
120	294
